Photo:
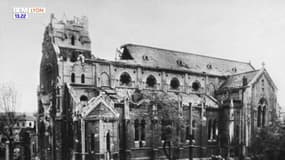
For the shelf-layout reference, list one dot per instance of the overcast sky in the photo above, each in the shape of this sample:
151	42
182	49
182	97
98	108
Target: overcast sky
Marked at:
234	29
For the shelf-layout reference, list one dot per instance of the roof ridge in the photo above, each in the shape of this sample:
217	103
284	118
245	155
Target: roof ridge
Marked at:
245	72
196	54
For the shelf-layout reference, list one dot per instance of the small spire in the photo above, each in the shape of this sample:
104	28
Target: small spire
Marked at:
64	18
263	65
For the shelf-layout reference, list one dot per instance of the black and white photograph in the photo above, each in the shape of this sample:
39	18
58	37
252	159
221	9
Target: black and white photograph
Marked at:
142	80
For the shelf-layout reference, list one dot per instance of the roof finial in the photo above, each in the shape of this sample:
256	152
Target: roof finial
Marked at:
52	17
263	64
64	17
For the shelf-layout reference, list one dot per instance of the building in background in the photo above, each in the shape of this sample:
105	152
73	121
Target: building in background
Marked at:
92	108
23	135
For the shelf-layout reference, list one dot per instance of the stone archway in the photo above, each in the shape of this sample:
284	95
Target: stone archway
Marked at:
100	123
105	80
262	112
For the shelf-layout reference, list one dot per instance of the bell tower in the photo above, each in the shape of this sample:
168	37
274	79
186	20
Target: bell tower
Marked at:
71	38
65	47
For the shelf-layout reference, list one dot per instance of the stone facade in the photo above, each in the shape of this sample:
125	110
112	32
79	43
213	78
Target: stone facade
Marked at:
95	108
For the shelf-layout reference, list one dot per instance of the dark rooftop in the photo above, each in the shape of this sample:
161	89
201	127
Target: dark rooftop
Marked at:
163	58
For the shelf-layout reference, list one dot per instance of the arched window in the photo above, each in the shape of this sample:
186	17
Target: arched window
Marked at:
82	78
209	66
92	141
125	79
72	40
162	132
263	116
259	116
105	81
145	57
174	83
72	77
136	125
237	133
187	133
142	130
209	129
193	124
179	62
108	142
196	85
151	81
83	98
214	129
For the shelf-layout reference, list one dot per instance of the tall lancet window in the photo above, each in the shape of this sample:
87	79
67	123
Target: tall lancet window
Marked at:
82	78
143	130
209	129
72	77
72	40
259	116
263	116
214	129
187	133
92	142
136	125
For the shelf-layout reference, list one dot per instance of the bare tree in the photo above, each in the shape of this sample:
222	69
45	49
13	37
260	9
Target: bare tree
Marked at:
169	113
8	118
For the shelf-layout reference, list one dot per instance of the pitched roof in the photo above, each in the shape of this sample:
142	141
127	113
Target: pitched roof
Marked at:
236	81
162	58
21	116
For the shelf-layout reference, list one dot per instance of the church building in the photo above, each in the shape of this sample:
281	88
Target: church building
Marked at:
148	103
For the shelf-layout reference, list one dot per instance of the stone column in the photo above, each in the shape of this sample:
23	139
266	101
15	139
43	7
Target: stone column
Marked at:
155	136
203	131
139	83
97	76
7	151
126	120
206	84
186	87
126	109
164	86
83	138
190	132
230	127
52	140
111	76
101	138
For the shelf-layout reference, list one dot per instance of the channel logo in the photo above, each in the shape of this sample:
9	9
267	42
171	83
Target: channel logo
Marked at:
24	12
